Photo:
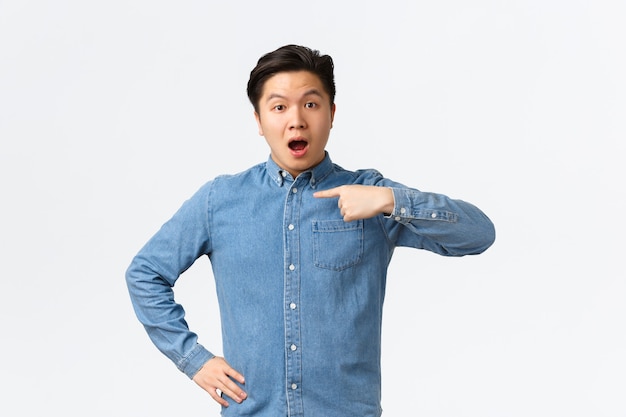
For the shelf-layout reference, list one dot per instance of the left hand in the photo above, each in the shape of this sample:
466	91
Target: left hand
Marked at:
360	201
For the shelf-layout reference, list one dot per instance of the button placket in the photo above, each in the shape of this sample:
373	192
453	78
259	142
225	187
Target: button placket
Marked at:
291	223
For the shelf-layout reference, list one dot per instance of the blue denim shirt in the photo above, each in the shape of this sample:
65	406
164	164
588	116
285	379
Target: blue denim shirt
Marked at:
300	291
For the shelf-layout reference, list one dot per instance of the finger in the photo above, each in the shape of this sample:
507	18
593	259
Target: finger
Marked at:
218	398
235	375
233	391
332	192
230	388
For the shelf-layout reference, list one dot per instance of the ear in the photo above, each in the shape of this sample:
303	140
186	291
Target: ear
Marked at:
258	122
332	114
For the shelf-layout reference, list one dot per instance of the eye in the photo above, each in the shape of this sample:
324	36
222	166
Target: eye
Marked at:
310	105
279	107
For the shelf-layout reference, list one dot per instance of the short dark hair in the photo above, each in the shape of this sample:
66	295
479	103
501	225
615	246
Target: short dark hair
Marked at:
290	58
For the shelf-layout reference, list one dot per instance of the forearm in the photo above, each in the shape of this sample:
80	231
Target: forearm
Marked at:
163	319
445	226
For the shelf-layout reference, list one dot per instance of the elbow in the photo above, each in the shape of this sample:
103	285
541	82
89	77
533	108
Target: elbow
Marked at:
476	241
485	238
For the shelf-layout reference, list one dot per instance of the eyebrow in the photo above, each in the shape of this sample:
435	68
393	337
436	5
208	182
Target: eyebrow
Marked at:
311	92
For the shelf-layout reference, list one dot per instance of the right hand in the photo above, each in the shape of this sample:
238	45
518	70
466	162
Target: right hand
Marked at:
216	374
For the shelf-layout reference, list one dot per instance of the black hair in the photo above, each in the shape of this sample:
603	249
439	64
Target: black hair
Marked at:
291	58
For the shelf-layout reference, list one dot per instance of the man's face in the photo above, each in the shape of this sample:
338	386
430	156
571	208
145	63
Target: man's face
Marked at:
295	116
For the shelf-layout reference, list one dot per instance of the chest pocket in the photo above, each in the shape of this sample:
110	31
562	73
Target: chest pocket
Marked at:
337	245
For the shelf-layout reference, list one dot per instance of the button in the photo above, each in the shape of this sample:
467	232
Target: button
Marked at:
290	227
402	210
283	173
292	267
294	386
293	347
292	306
294	190
397	218
434	215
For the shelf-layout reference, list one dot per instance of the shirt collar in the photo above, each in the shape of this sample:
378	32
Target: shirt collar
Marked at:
317	173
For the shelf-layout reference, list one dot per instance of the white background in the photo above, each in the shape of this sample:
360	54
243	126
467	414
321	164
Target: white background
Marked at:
114	112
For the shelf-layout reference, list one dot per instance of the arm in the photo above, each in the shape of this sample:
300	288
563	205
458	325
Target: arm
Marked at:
151	276
150	279
433	221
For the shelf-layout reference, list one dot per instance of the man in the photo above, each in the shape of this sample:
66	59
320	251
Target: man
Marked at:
299	249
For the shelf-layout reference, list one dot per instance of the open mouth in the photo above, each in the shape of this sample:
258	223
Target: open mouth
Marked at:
298	145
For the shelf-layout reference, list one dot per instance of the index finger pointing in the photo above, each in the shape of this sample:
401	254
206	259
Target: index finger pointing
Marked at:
332	192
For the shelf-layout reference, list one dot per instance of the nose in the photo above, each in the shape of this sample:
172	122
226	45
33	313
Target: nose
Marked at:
297	119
